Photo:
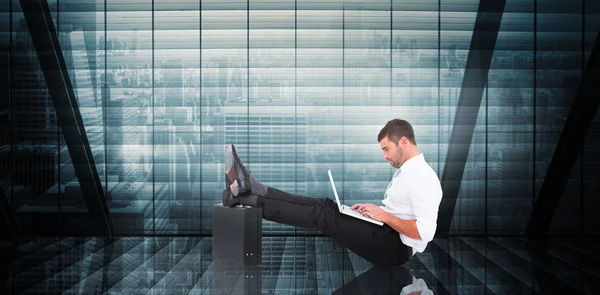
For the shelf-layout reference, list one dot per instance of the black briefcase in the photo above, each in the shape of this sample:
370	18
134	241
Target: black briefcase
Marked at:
237	234
231	278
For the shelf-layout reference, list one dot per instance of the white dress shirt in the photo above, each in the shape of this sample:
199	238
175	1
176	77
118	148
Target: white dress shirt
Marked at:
415	192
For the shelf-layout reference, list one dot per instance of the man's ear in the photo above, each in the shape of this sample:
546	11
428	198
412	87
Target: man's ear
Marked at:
403	140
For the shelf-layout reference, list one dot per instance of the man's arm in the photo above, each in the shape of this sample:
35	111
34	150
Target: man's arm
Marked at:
405	227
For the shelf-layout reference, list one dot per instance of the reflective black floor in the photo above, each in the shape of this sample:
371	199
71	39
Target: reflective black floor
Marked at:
297	265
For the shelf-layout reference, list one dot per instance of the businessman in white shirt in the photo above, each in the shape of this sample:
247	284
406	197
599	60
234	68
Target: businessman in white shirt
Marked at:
409	210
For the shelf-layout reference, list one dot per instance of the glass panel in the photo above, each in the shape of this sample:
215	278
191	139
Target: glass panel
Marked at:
510	122
127	93
177	119
457	23
559	69
224	104
272	151
319	99
6	93
365	103
37	163
591	160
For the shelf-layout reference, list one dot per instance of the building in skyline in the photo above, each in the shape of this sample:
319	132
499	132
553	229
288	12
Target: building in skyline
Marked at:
35	168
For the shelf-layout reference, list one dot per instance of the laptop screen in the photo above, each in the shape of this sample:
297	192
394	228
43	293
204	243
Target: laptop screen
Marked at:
337	199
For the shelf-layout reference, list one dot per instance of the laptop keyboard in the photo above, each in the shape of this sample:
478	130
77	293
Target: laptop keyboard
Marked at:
350	211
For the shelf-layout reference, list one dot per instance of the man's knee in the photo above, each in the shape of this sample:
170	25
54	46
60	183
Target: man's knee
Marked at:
325	216
329	203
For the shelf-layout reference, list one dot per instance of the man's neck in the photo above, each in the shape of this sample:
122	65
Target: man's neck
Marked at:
413	152
410	153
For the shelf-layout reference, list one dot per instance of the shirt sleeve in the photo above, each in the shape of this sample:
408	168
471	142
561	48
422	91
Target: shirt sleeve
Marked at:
425	196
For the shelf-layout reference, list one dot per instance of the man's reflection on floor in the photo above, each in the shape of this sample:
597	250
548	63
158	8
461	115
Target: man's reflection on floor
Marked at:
230	278
386	280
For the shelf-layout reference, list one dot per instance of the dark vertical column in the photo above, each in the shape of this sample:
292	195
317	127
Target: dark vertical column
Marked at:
483	42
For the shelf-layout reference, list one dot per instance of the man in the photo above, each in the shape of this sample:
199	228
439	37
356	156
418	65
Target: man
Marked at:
409	211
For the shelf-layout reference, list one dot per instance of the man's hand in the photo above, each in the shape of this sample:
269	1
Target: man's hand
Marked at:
405	227
372	211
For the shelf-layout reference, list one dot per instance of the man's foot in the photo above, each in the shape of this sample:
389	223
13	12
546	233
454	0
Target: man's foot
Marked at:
229	200
237	180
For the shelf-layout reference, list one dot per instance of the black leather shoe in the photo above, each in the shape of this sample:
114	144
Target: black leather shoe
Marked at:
237	180
229	200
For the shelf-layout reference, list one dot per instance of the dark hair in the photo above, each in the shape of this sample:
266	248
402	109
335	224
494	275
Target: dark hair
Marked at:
395	129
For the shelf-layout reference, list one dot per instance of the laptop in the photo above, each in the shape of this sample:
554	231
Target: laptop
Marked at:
345	209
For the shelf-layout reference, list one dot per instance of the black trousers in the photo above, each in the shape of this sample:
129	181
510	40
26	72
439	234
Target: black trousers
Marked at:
380	245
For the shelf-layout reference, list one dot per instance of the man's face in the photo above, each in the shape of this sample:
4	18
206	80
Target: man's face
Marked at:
391	152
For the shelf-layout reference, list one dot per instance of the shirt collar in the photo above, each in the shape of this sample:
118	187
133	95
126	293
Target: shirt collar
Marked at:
412	161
